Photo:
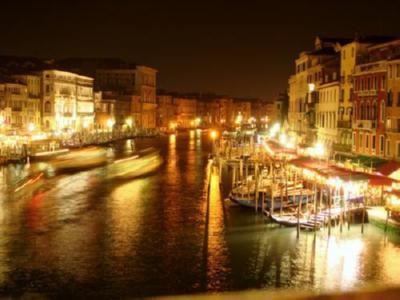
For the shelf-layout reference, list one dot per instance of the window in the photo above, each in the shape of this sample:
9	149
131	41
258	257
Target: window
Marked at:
390	73
388	147
398	98
389	98
373	142
352	51
47	107
47	88
381	144
354	139
367	141
398	149
360	140
398	70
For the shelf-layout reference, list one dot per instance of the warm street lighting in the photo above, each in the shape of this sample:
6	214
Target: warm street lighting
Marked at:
282	139
172	125
110	123
311	87
319	149
239	119
129	122
197	121
274	130
1	120
213	134
31	127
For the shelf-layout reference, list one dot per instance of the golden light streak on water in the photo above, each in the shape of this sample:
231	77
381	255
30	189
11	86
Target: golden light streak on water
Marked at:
217	258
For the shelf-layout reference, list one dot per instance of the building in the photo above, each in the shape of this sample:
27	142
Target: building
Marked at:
67	101
369	108
351	55
129	81
327	113
311	70
186	111
33	85
165	111
104	112
17	112
241	107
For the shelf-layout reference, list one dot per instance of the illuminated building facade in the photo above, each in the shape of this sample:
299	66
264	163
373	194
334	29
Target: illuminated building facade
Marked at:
327	112
165	111
369	108
186	111
130	81
67	101
18	111
104	112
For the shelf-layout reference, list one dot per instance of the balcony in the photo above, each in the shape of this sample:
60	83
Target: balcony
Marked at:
364	124
344	124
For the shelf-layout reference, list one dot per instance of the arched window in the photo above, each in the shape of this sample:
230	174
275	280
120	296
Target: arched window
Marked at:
367	112
47	107
382	112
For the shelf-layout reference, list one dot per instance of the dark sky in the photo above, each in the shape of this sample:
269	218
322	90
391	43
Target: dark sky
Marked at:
241	48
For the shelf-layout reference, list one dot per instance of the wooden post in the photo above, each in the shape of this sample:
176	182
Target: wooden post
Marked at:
363	214
220	171
271	210
298	212
329	210
241	169
387	220
256	186
234	176
315	206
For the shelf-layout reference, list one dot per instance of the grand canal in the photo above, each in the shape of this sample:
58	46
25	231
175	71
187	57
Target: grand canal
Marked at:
160	235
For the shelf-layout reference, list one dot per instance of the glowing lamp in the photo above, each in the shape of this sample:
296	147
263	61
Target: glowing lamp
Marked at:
31	127
213	134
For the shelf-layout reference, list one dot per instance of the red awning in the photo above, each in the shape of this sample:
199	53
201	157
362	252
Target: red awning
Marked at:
388	168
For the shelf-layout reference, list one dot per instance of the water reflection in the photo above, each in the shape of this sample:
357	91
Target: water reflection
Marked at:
162	235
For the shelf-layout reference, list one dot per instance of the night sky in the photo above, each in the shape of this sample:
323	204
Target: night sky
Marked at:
241	48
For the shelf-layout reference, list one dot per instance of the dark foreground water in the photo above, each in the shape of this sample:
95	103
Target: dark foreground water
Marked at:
159	235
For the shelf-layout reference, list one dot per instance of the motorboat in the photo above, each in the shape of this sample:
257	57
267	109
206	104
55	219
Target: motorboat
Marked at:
80	159
135	166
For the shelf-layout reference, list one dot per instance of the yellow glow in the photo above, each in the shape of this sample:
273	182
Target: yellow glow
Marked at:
172	125
129	122
213	134
311	87
1	120
282	139
319	149
239	119
110	123
31	127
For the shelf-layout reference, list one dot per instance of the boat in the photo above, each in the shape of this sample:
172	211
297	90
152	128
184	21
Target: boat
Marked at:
80	159
47	155
135	166
245	196
287	220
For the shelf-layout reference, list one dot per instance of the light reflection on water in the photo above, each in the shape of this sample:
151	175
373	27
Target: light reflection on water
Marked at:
162	235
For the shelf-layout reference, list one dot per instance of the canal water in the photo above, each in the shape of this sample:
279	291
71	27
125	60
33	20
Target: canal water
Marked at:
162	235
